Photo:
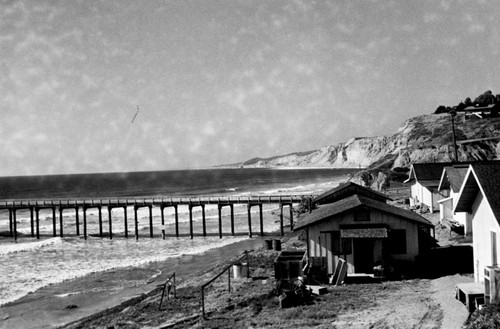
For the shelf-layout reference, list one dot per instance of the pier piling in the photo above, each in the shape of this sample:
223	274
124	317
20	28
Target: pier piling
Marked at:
77	222
203	219
135	221
249	207
11	232
220	220
281	220
37	219
14	223
150	221
162	210
32	224
232	219
100	220
176	221
85	223
261	217
54	221
125	224
191	220
110	223
61	222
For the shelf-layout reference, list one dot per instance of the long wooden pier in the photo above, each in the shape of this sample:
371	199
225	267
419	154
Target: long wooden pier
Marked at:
34	206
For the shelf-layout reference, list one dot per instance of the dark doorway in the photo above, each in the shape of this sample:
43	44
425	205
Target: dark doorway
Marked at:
363	255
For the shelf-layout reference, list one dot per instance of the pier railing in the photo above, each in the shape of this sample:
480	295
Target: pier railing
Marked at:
121	202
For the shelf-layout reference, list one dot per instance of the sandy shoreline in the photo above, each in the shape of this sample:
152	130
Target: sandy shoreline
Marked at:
53	305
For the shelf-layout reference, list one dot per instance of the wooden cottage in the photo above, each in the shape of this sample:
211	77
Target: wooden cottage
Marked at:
449	186
364	232
480	197
425	178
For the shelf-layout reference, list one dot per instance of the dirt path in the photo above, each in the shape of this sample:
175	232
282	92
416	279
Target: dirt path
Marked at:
454	312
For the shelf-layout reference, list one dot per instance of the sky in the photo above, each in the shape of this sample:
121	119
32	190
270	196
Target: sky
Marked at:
223	81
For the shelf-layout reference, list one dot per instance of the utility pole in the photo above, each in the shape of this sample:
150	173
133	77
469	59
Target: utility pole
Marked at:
453	113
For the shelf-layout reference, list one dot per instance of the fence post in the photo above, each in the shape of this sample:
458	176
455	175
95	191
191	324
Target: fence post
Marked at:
248	264
175	293
202	303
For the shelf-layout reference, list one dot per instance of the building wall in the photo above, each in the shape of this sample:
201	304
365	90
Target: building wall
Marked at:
427	198
446	211
421	194
483	223
320	243
416	192
463	218
436	196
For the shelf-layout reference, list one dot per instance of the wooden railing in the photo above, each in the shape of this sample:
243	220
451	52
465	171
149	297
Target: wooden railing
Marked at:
228	270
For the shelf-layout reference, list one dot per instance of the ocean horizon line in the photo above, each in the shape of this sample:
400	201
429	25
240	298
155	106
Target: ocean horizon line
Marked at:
221	167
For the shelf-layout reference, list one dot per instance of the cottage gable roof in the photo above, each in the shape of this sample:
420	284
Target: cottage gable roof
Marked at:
330	210
429	174
347	189
481	178
453	177
427	171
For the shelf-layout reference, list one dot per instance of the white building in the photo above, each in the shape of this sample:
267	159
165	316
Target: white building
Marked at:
480	197
450	183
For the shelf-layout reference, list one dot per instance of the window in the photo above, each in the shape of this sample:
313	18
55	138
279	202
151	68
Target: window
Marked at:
362	215
340	246
397	241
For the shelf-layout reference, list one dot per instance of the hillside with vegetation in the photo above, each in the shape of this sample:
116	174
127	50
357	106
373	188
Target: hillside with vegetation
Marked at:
425	138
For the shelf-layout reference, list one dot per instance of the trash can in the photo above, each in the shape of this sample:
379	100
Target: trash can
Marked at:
269	244
240	270
277	245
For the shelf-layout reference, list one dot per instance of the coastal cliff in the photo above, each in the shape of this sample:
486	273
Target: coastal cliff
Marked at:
425	138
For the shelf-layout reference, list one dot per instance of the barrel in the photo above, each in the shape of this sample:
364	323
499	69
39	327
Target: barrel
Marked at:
269	244
240	270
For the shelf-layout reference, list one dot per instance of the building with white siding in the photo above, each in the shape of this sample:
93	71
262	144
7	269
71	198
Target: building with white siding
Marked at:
479	196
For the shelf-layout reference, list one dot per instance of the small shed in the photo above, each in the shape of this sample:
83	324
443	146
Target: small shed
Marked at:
365	233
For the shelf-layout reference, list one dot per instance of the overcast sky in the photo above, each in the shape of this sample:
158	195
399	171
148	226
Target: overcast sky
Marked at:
224	81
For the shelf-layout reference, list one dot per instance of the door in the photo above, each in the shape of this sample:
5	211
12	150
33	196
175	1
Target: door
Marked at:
363	255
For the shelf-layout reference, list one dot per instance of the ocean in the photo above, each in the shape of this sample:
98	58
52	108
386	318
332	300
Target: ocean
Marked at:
30	264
